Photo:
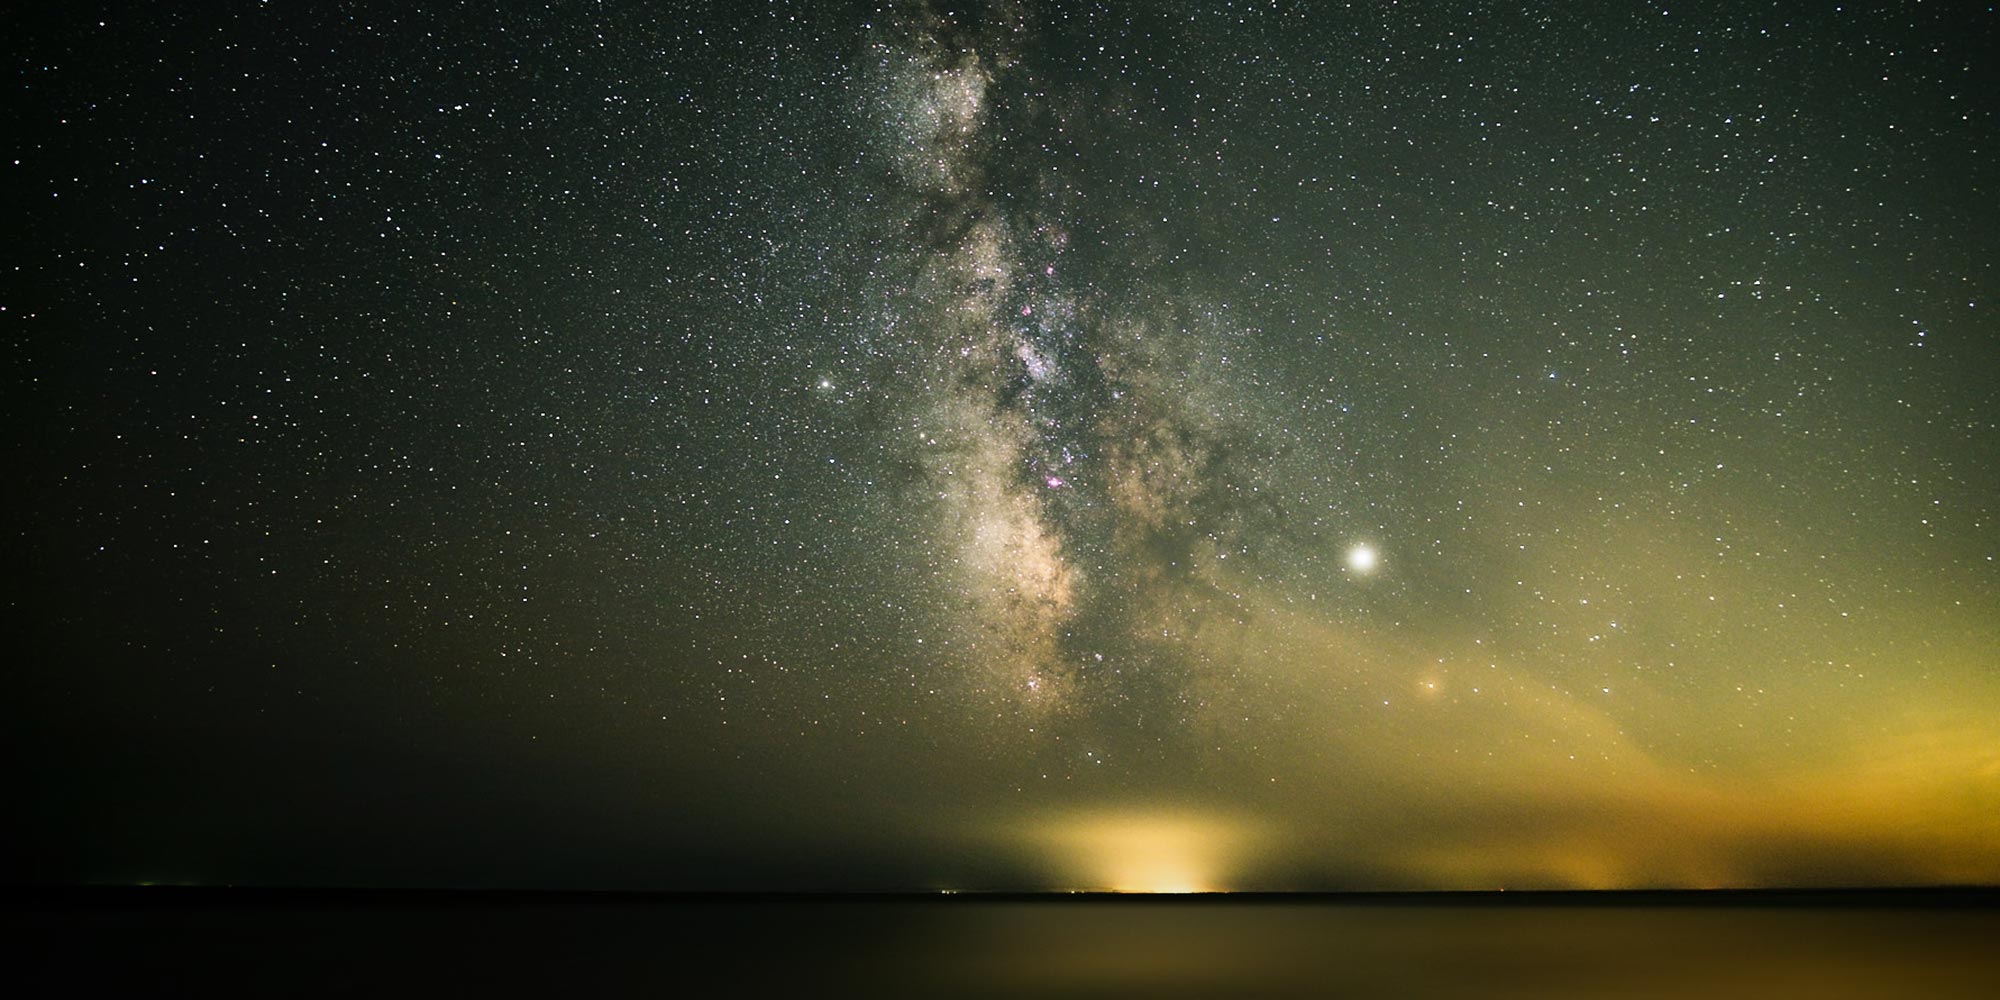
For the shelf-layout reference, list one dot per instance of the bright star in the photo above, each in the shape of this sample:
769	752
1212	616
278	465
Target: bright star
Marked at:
1361	559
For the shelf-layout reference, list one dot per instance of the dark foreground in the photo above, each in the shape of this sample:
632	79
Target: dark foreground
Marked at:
187	941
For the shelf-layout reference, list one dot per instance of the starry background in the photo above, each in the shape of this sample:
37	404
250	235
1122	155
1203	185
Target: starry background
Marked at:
1028	446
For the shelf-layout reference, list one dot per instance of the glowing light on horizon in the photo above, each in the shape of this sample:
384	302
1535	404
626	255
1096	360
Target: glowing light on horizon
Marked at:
1144	852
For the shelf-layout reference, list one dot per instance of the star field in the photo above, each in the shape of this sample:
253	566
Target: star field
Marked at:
1011	445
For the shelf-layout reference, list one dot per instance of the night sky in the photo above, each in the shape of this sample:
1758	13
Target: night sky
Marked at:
1011	446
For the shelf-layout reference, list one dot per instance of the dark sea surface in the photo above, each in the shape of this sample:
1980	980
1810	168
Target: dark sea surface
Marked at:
198	941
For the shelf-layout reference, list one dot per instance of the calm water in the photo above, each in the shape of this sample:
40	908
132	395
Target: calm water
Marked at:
982	947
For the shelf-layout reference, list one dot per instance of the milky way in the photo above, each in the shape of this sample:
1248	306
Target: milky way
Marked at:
1058	424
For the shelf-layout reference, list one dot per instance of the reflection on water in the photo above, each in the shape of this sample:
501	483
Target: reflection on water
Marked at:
1440	950
962	946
